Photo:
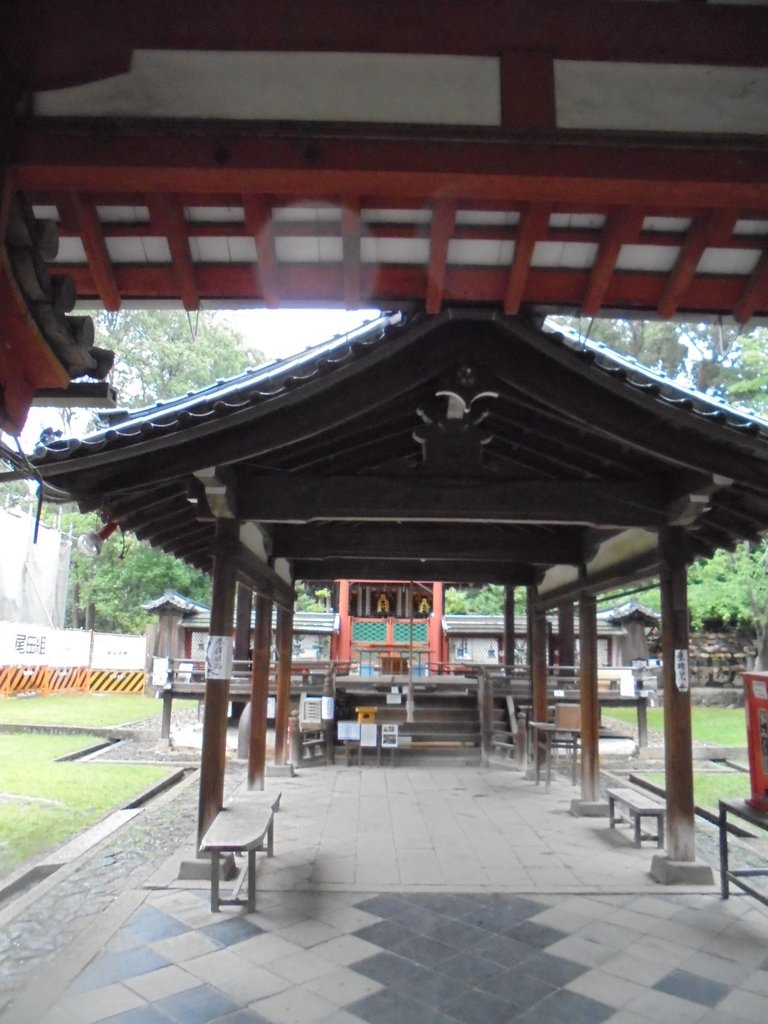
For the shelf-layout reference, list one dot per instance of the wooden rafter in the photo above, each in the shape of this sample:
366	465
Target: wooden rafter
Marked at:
92	235
259	224
166	211
621	228
705	229
350	234
534	221
443	221
755	293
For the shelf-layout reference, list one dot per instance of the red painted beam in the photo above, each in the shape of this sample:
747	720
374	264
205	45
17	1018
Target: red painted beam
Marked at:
575	170
84	41
394	285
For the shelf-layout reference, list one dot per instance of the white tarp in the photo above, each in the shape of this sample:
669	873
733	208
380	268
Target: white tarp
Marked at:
33	575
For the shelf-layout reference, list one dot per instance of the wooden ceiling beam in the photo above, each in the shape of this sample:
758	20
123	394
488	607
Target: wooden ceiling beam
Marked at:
412	166
390	286
436	541
704	230
166	212
445	570
443	222
305	499
87	43
622	227
260	225
534	222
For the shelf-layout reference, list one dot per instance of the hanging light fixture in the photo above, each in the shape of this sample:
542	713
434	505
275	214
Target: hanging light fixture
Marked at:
91	543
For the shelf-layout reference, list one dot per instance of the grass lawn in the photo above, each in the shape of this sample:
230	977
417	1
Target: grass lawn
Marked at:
725	727
42	803
83	709
709	787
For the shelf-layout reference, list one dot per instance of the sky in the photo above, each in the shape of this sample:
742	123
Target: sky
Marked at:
282	332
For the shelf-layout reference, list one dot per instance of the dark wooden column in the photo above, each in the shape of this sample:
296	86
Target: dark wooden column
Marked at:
678	753
284	657
566	640
257	743
243	623
538	633
590	709
509	626
218	667
243	605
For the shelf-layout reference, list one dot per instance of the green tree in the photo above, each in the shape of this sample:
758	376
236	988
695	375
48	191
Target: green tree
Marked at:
313	597
160	355
746	380
486	600
107	593
704	353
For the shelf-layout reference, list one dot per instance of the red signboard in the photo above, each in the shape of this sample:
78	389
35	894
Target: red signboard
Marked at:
756	705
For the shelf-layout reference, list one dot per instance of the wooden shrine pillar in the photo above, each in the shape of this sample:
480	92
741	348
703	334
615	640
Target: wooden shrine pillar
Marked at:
284	658
590	708
566	639
538	634
435	629
509	626
679	864
218	671
243	605
257	741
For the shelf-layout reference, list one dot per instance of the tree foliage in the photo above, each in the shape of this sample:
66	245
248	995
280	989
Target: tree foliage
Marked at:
107	593
486	600
160	355
706	354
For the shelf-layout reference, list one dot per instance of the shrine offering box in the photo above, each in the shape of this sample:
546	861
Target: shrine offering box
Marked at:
756	706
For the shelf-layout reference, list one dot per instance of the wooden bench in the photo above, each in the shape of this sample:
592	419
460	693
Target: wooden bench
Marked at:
638	806
246	825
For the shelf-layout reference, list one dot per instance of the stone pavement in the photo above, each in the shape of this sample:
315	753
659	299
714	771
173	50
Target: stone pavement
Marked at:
410	895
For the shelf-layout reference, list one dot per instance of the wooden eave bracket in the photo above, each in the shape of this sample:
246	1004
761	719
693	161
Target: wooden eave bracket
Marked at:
690	507
220	490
